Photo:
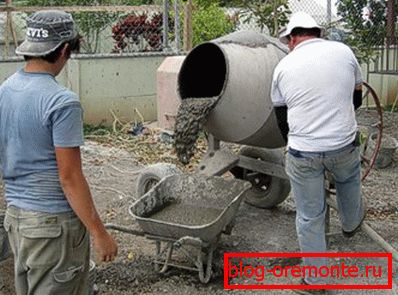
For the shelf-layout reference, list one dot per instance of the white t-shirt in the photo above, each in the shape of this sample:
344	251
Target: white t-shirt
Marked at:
316	82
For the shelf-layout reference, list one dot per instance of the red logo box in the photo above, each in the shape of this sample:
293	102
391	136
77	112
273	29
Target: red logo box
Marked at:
227	256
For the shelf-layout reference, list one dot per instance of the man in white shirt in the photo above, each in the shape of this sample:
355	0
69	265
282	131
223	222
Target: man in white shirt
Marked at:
312	92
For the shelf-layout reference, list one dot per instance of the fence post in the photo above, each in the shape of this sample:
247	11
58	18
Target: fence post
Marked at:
9	29
166	12
391	39
6	41
188	26
329	11
177	26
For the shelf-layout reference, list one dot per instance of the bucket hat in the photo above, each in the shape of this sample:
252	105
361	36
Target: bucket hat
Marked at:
46	31
299	20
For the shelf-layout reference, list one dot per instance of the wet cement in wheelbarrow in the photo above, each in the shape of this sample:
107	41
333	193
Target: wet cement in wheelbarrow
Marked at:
191	116
185	214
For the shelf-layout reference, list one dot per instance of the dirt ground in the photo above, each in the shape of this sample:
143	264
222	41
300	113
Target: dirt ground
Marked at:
112	172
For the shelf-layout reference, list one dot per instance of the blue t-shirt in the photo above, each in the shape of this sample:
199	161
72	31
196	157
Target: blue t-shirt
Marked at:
36	115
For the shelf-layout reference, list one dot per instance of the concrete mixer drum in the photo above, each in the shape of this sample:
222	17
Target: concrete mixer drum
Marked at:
237	70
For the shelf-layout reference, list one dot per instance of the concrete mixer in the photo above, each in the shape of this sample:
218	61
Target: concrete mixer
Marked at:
238	69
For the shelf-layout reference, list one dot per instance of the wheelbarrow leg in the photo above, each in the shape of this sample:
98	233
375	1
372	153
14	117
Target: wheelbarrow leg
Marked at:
205	276
228	228
159	253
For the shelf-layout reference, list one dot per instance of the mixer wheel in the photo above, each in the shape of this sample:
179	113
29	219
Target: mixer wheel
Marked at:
267	191
152	174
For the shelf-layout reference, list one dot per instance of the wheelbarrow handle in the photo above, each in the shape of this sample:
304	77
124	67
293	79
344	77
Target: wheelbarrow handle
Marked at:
124	229
188	240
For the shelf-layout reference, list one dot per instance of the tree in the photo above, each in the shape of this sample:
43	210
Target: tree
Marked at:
365	20
209	21
271	14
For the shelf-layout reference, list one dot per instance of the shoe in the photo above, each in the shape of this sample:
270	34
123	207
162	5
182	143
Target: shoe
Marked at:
349	234
310	291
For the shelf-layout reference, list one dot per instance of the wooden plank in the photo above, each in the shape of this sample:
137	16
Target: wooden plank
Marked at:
370	232
99	8
379	240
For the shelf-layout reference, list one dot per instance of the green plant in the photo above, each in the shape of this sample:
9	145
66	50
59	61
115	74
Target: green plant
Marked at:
365	20
90	24
140	2
138	32
100	129
206	3
209	22
271	14
391	108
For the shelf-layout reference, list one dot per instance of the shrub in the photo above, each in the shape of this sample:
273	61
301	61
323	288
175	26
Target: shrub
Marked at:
365	20
138	32
209	22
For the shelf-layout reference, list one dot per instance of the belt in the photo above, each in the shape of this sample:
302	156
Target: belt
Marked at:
302	154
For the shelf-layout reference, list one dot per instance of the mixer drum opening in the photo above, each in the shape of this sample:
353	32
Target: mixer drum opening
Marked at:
237	70
203	73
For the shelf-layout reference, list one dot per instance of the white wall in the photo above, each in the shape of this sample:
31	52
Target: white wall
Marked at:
123	84
120	84
386	86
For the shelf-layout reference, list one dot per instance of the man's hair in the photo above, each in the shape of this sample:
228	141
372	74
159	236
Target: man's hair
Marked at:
74	46
313	32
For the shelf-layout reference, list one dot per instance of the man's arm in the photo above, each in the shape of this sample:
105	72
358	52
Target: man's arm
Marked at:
357	96
279	103
78	194
281	117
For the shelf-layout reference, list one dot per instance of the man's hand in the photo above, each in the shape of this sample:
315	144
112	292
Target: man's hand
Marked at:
78	194
105	246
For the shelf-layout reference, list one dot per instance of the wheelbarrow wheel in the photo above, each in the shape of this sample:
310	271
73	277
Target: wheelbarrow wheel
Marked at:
152	174
267	191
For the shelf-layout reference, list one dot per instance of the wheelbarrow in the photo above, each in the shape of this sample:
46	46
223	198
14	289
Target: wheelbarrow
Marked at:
188	213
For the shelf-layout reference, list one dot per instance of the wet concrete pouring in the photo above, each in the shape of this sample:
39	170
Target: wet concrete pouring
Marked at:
112	173
191	116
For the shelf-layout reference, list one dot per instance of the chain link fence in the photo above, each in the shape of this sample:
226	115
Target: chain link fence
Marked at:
105	29
369	27
175	26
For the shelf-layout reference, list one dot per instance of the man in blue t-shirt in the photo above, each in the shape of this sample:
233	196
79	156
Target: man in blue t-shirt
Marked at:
50	211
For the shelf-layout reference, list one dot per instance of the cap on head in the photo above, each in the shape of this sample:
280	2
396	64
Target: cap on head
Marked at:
46	31
299	20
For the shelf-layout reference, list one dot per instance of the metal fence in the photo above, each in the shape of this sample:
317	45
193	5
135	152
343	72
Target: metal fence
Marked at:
369	27
105	29
385	61
174	26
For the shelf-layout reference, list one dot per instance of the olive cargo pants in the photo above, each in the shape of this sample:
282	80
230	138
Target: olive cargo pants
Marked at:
51	252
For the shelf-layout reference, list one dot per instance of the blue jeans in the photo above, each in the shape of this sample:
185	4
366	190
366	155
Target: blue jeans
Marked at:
306	171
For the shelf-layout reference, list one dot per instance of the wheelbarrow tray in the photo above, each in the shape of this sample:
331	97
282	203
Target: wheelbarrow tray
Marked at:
201	206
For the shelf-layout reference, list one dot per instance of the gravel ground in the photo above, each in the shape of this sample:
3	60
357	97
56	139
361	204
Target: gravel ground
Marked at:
112	174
